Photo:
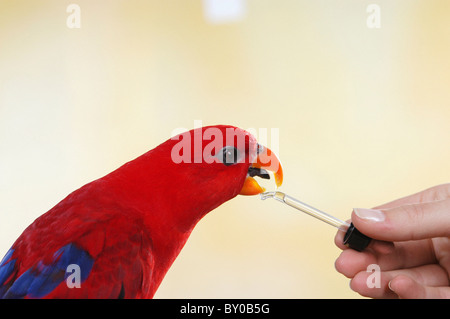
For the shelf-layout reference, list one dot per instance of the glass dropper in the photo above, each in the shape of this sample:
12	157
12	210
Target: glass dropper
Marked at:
327	218
353	237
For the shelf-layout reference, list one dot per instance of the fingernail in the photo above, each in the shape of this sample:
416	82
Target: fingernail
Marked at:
373	215
389	285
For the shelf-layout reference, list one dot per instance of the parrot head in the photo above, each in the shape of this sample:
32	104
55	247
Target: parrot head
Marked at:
227	158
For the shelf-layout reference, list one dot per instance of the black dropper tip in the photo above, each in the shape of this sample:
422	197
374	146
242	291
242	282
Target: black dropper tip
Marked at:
355	239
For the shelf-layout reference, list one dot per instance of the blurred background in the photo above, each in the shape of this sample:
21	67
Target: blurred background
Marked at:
361	105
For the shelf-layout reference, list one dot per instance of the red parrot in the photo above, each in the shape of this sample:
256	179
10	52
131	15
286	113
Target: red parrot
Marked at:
120	234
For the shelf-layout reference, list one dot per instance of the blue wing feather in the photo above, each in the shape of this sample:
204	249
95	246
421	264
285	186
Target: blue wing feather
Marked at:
6	271
41	279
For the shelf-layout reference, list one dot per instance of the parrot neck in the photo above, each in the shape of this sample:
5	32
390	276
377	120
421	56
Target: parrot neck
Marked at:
168	199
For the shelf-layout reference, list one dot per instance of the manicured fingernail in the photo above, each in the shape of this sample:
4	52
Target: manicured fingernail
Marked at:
373	215
389	285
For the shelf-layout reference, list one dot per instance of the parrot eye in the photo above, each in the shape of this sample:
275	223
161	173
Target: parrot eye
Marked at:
228	155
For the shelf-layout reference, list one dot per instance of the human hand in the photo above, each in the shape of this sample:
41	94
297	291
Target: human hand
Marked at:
411	246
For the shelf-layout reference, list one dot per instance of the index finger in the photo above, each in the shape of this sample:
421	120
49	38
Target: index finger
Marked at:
431	194
407	222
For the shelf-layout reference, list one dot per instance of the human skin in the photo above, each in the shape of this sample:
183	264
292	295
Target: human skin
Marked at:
411	246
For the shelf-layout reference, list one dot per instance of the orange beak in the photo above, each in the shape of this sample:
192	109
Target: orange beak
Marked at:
265	161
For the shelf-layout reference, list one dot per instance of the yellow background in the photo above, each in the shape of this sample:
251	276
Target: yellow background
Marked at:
363	117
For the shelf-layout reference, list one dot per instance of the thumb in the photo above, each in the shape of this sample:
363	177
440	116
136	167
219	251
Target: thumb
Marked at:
408	222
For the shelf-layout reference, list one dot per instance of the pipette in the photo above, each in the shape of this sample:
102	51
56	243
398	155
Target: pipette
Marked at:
353	238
